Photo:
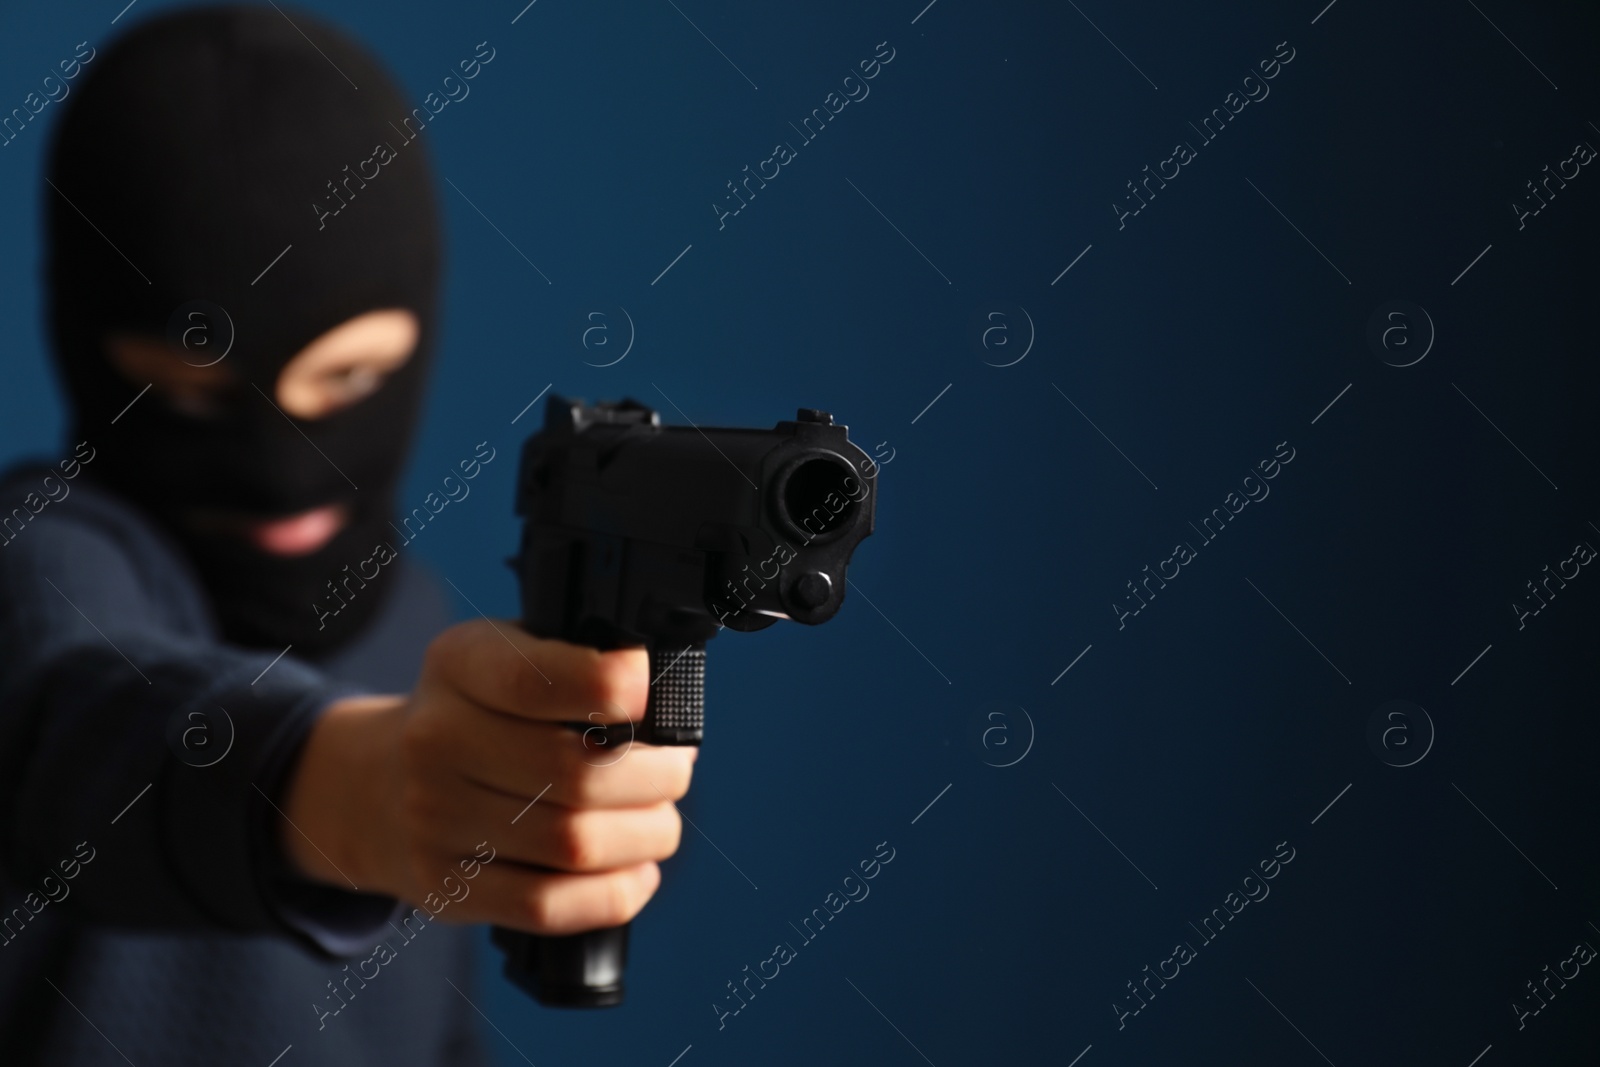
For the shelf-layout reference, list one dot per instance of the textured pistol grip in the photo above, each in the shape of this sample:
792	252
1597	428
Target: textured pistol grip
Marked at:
676	711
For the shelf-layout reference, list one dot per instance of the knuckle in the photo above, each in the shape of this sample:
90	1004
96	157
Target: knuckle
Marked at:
623	899
584	781
678	780
513	675
644	887
539	909
436	657
616	683
446	650
577	847
671	834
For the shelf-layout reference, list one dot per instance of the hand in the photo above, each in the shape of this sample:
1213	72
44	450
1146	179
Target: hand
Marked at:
392	793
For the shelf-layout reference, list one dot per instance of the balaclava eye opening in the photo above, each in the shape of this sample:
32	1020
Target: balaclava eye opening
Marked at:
230	156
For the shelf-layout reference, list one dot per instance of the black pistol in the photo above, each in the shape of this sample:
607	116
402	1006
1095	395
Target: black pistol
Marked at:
635	533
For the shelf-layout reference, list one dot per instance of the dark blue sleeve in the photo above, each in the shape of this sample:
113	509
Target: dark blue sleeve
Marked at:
97	686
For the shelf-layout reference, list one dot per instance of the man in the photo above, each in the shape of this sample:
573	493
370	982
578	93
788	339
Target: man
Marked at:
208	852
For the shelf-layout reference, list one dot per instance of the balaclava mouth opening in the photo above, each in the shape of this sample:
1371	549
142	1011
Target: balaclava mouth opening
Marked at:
199	149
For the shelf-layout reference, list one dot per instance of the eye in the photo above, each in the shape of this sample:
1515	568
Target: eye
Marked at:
354	383
347	364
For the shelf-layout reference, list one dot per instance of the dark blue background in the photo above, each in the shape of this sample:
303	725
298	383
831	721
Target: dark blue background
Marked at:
1196	338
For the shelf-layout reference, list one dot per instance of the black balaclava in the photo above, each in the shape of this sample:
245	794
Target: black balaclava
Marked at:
195	151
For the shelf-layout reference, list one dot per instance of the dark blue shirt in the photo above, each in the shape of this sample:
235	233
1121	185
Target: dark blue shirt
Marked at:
146	914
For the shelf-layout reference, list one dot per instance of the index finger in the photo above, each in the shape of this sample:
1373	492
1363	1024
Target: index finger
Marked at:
500	666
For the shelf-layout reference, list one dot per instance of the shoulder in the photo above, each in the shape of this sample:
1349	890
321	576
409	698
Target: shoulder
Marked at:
56	522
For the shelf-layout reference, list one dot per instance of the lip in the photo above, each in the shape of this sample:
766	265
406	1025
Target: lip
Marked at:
296	535
284	536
